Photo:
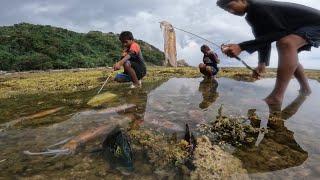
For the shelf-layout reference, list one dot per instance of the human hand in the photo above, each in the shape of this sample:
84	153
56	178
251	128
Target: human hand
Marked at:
116	67
231	50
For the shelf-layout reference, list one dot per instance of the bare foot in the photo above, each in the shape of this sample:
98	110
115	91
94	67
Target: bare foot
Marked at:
272	100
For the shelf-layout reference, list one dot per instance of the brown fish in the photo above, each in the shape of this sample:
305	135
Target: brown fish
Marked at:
31	117
73	144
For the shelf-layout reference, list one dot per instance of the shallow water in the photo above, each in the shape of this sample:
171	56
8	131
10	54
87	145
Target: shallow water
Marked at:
291	148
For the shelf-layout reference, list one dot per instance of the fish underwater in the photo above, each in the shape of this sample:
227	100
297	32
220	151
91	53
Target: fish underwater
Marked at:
101	129
31	117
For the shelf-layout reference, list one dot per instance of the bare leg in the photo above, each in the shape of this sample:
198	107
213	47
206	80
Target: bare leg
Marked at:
209	71
132	73
202	68
287	65
303	81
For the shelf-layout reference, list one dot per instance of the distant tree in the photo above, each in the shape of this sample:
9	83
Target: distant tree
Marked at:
34	47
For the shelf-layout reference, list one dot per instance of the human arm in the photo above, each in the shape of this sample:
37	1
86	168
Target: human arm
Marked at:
120	63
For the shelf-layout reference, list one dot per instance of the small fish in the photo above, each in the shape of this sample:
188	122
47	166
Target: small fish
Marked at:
73	144
117	109
31	117
121	108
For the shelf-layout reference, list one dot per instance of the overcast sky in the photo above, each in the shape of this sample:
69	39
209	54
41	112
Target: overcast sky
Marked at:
141	17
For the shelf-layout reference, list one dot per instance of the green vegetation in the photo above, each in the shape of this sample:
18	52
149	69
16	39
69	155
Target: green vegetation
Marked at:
37	47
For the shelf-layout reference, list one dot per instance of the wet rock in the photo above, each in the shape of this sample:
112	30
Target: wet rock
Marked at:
161	152
231	129
212	162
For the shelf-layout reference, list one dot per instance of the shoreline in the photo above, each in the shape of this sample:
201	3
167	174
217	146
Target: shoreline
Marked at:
84	79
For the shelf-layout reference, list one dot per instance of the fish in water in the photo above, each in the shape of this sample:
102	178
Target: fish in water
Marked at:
31	117
72	145
118	109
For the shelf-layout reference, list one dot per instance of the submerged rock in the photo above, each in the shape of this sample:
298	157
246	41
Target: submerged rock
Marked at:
161	152
212	162
231	129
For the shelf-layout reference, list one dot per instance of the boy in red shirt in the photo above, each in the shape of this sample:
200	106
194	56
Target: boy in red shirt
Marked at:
131	60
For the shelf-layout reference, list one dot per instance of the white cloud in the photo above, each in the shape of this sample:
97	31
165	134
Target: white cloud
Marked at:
141	17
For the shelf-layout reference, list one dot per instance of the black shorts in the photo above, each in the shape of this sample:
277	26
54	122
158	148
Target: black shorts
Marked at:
139	68
311	34
213	69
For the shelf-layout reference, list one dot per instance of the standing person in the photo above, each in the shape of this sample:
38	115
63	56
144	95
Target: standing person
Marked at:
131	60
209	67
295	28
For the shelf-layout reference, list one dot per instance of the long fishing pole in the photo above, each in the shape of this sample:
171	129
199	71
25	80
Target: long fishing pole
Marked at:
219	46
105	82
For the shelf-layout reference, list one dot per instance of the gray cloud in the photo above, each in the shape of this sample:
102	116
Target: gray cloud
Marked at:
142	17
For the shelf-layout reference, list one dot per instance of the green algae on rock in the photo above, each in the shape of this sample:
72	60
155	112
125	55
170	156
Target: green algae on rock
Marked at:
162	152
101	99
234	130
212	162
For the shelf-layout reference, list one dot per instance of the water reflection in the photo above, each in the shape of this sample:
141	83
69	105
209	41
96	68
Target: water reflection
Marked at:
292	136
208	89
277	149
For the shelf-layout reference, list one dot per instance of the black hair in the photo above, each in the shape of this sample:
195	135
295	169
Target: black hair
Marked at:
126	35
223	3
204	47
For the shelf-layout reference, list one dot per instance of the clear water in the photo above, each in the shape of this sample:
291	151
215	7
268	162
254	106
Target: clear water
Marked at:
290	150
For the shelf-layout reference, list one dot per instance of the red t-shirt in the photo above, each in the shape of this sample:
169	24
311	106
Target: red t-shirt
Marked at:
135	52
134	48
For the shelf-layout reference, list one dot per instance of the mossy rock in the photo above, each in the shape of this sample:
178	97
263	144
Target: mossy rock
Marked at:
102	98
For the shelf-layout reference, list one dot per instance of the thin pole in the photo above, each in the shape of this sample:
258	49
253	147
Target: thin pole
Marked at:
198	36
105	82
